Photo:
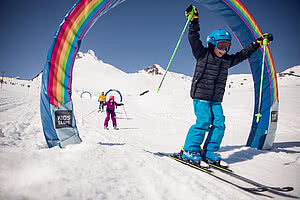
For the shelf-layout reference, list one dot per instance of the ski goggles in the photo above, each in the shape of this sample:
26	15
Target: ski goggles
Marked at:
223	45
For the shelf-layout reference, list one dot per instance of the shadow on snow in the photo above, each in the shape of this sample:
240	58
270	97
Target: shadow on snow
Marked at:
250	153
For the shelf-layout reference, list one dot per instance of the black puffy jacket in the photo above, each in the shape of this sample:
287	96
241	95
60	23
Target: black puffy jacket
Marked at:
211	72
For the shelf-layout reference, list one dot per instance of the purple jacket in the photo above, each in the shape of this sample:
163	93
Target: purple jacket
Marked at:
111	106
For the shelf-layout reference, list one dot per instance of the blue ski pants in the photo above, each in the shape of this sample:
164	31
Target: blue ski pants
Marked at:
210	118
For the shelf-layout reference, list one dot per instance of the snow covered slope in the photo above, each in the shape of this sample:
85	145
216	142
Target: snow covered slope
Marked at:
122	164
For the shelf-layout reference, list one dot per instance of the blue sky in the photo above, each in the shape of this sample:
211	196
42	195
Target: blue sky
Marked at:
136	34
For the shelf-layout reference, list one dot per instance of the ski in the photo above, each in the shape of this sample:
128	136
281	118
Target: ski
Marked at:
247	180
253	190
226	170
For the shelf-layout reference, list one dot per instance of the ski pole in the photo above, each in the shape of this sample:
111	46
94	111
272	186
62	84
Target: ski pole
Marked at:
89	113
125	112
171	59
258	115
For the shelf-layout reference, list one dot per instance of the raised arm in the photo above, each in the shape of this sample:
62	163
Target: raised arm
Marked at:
194	36
244	53
250	49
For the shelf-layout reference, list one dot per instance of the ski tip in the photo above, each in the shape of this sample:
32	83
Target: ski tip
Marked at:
278	189
287	189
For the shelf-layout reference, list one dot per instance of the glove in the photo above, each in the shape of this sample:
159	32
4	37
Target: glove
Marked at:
121	104
267	36
188	10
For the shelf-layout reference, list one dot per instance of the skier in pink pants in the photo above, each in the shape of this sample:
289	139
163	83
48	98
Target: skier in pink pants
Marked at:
110	111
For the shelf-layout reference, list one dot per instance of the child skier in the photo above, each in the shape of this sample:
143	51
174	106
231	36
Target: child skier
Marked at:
208	87
110	111
101	100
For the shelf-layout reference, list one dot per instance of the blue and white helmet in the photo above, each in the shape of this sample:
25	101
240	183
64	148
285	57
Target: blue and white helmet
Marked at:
218	35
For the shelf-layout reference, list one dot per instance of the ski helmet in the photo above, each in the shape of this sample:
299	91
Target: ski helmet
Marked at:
217	36
111	98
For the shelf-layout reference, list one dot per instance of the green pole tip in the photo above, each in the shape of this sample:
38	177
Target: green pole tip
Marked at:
265	41
258	117
192	13
158	89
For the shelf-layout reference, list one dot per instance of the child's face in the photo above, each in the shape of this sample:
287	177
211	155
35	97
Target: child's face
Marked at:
219	53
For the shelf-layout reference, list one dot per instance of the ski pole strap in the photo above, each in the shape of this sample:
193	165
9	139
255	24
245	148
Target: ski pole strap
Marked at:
258	115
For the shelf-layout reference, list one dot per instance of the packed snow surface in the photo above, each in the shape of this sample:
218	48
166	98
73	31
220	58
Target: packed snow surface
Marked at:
122	164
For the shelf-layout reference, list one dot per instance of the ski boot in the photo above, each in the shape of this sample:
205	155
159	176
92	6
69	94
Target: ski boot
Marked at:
105	127
194	158
116	128
214	158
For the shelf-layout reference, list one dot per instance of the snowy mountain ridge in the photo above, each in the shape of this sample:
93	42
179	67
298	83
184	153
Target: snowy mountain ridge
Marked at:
88	68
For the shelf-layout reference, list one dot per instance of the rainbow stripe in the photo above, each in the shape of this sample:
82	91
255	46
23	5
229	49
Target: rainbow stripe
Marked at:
238	7
66	46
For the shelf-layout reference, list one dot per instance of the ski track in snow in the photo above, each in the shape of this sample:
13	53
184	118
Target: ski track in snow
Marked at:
18	126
